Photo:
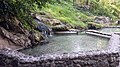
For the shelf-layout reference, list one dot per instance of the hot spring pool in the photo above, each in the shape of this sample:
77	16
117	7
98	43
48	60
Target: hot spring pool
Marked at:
69	43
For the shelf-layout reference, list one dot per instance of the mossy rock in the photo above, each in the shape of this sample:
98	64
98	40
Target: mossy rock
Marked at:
95	24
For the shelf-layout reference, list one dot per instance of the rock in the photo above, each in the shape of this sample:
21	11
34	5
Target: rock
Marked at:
17	39
83	7
12	33
60	28
102	20
46	19
8	18
56	25
117	22
90	26
10	58
55	22
38	36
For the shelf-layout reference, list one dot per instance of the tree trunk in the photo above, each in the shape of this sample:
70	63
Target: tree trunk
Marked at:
87	2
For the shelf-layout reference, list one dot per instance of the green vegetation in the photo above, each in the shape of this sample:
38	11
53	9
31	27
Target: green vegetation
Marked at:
96	24
67	13
64	10
108	8
22	10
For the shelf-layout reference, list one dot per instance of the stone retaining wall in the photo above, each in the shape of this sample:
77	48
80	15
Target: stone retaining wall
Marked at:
98	58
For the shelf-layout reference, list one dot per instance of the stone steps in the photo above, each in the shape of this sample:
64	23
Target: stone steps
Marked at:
98	33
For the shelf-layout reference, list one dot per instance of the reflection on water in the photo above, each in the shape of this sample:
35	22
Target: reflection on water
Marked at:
69	43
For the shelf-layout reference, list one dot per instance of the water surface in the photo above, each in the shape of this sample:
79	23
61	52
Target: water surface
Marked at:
69	43
110	30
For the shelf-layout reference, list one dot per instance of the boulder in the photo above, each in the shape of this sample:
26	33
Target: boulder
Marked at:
102	20
46	19
16	38
55	22
60	28
36	37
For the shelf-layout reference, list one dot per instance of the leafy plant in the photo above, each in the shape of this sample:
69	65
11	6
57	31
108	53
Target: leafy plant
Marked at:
23	8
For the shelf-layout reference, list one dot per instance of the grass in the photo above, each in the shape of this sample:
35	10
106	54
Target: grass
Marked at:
66	13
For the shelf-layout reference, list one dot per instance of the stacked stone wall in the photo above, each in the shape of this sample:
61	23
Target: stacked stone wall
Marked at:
96	58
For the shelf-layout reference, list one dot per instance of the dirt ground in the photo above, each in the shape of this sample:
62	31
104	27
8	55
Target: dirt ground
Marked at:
4	43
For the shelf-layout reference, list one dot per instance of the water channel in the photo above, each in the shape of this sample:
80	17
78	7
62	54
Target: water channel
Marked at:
71	43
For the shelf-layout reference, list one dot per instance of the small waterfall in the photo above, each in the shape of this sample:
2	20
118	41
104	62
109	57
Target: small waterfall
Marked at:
46	30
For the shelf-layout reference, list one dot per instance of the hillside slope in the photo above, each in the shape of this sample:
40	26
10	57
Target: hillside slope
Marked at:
78	15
